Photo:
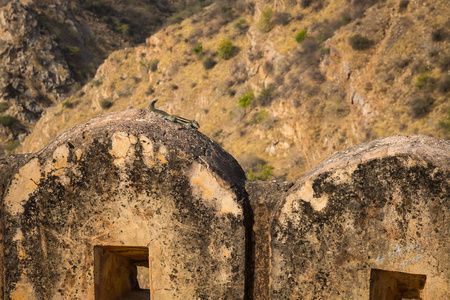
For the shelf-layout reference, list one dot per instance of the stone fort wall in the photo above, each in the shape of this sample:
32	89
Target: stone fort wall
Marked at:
131	205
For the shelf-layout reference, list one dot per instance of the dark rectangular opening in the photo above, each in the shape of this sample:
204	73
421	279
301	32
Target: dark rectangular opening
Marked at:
390	285
119	273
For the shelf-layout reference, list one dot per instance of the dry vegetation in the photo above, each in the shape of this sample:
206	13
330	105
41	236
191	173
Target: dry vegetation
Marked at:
324	76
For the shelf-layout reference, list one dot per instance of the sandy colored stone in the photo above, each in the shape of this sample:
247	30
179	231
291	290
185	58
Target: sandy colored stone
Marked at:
387	208
125	179
130	189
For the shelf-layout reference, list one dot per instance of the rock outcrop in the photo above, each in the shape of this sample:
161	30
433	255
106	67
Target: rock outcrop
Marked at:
50	48
47	51
33	70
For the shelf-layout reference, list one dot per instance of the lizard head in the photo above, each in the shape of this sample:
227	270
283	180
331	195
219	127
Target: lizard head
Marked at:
152	104
195	124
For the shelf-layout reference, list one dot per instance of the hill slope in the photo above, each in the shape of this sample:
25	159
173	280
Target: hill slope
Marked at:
49	49
324	76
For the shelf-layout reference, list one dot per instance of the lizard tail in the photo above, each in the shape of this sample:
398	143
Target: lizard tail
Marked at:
152	104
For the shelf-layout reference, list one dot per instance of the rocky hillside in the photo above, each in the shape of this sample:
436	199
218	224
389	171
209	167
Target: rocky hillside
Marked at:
50	48
281	84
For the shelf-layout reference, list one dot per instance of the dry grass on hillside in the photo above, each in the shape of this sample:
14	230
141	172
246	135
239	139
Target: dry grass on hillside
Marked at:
311	98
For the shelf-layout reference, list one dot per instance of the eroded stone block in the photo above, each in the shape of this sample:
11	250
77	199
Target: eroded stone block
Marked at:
381	205
116	182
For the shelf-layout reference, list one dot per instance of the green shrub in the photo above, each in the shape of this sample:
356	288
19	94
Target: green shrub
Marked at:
3	107
67	104
97	83
262	114
359	42
198	50
226	11
322	38
265	22
105	104
122	28
225	49
264	172
6	120
209	63
73	50
246	100
420	107
11	146
266	96
176	18
301	36
346	20
217	133
153	64
424	81
241	25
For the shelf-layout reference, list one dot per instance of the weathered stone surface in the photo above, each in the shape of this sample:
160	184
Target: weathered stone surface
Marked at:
125	179
263	196
130	190
380	205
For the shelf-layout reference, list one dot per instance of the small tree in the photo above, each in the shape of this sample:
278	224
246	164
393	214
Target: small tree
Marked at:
241	25
261	115
246	100
225	49
266	96
359	42
105	104
198	50
73	50
67	104
301	36
97	82
266	20
424	81
209	63
153	64
122	28
3	106
6	120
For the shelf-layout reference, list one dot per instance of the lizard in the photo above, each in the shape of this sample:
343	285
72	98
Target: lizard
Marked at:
173	118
